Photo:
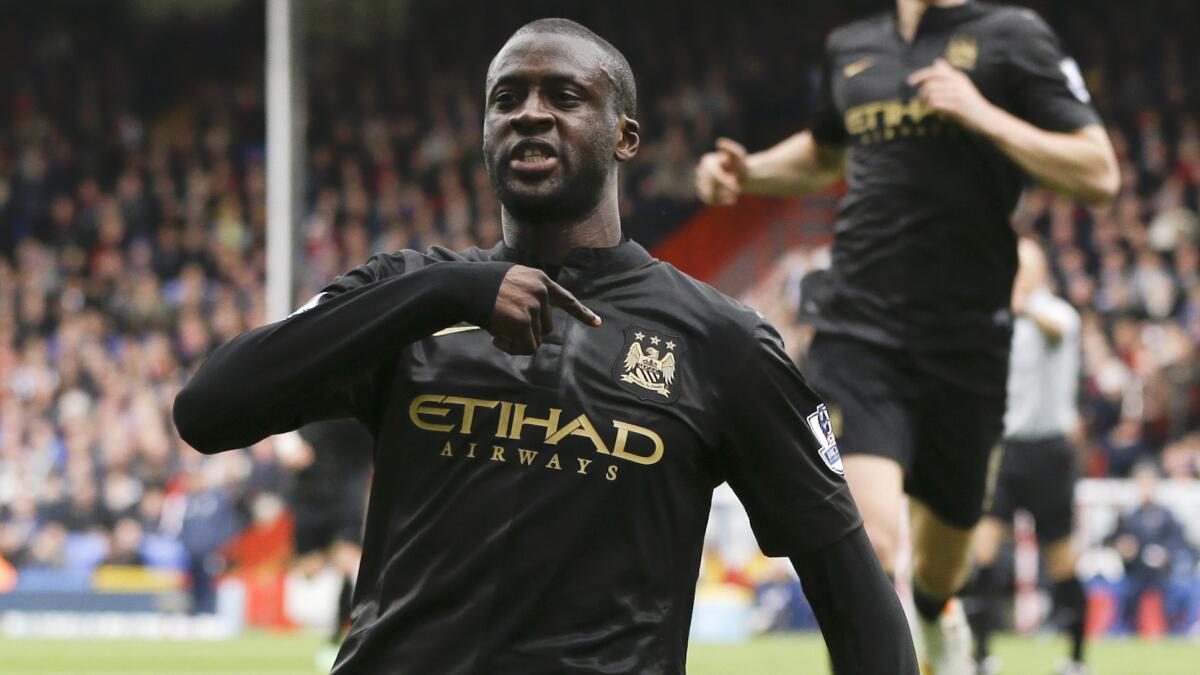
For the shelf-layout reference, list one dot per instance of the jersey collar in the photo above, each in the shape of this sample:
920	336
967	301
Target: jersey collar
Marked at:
936	17
594	263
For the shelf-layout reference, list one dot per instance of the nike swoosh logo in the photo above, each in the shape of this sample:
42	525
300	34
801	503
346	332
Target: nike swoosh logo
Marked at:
857	67
455	329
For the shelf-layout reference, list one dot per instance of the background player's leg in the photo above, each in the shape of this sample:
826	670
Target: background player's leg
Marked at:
1070	599
941	562
986	595
877	484
346	556
941	552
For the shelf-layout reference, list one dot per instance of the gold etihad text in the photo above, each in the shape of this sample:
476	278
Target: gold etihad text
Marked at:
885	115
511	420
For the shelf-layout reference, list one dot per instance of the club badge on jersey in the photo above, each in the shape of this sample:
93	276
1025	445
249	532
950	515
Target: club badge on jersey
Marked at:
962	51
822	430
649	365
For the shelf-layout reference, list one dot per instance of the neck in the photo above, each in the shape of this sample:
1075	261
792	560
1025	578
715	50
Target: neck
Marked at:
909	13
550	241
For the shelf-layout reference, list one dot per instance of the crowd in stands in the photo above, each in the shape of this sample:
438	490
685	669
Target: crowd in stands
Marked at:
132	228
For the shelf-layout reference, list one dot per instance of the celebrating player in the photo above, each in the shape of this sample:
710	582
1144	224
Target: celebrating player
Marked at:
937	112
1037	469
540	493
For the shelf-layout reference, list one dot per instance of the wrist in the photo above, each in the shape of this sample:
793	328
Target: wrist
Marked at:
472	287
753	171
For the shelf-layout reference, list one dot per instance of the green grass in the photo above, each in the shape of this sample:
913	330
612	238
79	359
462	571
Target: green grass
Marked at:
267	654
1020	656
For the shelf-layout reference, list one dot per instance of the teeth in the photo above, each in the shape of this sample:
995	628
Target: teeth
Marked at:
532	153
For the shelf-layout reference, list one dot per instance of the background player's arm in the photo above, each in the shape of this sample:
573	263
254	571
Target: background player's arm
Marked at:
858	610
1080	164
1054	320
797	165
803	163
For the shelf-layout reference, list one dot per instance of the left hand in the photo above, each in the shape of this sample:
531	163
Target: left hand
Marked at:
950	93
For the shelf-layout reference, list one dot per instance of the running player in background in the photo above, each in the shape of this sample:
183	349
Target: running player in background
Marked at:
937	113
1038	465
543	477
331	464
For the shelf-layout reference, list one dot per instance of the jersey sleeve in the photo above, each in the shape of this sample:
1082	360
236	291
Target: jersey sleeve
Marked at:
321	363
827	126
1048	85
779	453
377	267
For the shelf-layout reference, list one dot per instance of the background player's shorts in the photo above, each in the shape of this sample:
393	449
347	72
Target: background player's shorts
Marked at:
891	404
320	524
1039	477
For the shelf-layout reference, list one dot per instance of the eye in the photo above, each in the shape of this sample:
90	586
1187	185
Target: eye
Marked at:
505	99
567	98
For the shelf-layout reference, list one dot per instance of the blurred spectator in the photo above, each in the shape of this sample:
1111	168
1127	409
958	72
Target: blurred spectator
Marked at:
125	545
209	520
1151	543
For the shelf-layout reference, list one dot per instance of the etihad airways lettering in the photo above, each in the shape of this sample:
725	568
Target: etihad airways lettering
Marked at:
885	114
460	414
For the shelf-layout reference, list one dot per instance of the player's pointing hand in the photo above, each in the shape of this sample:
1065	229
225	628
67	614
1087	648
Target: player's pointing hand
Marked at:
524	307
720	173
951	93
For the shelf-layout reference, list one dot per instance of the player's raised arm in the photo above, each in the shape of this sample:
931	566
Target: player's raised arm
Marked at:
797	165
805	162
317	364
1054	134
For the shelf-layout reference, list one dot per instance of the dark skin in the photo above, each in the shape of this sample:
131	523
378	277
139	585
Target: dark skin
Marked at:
552	141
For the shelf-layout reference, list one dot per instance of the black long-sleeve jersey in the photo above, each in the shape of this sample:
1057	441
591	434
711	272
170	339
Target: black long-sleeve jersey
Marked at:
924	255
545	513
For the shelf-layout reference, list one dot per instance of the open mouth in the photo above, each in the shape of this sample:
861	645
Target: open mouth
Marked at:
533	157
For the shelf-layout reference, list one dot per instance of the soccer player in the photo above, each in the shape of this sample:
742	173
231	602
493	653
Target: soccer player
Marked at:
331	461
937	113
551	416
1037	467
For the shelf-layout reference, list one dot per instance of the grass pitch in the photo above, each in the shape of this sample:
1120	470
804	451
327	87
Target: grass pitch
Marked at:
268	654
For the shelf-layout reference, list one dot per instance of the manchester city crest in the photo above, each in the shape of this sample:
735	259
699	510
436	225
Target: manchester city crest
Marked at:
648	365
962	52
822	429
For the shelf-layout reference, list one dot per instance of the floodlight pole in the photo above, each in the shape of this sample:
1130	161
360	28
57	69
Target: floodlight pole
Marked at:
285	150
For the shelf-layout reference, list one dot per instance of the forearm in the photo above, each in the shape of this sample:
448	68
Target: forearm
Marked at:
1048	325
1081	165
279	376
798	165
857	608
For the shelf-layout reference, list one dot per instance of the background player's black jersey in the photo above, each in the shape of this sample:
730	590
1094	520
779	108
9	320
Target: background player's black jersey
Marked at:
545	513
924	254
341	463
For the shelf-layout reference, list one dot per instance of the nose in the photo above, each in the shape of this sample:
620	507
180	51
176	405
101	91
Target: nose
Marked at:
532	116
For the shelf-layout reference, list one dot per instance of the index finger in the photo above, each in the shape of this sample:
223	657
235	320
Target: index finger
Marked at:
732	147
726	179
921	76
562	298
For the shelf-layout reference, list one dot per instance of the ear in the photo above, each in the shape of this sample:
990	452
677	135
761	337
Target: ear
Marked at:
628	139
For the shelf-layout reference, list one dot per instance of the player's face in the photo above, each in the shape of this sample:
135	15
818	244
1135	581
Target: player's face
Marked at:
550	130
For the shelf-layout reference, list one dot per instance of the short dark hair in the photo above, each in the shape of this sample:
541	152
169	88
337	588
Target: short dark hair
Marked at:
623	75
